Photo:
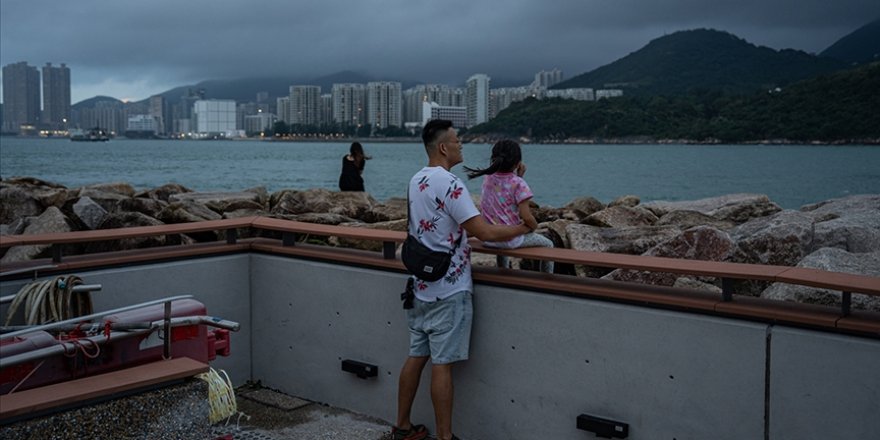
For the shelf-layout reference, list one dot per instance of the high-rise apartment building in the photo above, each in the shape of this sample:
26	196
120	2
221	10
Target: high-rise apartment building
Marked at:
456	114
415	97
56	96
349	102
282	106
21	96
547	78
161	111
214	116
305	104
383	104
477	99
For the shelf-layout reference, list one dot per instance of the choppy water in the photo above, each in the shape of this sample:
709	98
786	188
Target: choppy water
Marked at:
791	175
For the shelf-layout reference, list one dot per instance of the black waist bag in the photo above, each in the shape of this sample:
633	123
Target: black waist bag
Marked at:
424	263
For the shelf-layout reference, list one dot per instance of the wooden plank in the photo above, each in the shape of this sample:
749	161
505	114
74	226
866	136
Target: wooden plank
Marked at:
275	224
831	280
64	393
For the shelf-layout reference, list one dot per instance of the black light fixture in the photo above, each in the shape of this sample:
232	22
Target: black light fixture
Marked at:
361	369
604	428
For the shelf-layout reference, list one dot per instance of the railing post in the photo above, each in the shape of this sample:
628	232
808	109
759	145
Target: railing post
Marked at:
846	303
231	236
288	238
166	350
726	289
56	253
388	249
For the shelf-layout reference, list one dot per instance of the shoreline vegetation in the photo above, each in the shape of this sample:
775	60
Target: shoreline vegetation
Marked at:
838	235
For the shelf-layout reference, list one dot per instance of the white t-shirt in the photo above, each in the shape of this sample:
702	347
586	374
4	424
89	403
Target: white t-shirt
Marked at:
438	204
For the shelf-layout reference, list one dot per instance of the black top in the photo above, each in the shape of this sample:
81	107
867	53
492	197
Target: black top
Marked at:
350	179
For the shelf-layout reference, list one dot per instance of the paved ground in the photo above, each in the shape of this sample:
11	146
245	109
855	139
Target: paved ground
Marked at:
271	415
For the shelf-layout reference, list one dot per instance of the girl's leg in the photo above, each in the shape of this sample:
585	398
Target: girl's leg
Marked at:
537	240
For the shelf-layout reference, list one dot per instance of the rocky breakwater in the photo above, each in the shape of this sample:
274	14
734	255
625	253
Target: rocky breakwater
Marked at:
840	235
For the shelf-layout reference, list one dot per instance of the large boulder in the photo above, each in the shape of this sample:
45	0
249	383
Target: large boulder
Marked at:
147	206
627	200
621	216
633	240
392	209
835	260
163	192
107	199
120	188
780	239
186	212
699	243
25	196
347	203
221	202
582	207
737	208
850	223
688	219
89	213
127	220
50	221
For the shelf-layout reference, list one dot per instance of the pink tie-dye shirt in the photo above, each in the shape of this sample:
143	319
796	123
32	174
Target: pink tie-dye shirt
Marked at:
502	194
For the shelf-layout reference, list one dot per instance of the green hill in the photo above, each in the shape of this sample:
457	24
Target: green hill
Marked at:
703	59
859	47
838	107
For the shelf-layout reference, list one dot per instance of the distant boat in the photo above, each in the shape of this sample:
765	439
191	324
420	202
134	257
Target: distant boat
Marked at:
94	135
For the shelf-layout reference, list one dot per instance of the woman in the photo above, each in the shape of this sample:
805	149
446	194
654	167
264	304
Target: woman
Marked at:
352	167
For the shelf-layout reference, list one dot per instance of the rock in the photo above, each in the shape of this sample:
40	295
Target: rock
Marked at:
108	200
688	219
89	212
392	209
163	192
850	223
369	245
699	243
737	208
126	220
119	188
147	206
185	212
628	201
319	218
50	221
621	216
350	204
18	226
835	260
262	195
781	239
550	214
221	202
584	206
691	283
239	213
633	240
17	203
555	230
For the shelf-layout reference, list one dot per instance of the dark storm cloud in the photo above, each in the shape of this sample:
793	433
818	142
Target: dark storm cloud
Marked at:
162	43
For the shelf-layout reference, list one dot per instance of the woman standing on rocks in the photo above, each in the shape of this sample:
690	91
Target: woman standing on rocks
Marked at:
352	168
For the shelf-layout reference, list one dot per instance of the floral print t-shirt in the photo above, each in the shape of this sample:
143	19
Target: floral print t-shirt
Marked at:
502	194
438	204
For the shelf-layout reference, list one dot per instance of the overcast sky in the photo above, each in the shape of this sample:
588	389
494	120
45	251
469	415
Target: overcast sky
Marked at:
133	49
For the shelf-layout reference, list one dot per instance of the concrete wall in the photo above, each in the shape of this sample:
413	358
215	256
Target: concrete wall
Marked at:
537	360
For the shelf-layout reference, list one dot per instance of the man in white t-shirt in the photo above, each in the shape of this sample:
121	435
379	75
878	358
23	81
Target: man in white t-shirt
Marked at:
442	215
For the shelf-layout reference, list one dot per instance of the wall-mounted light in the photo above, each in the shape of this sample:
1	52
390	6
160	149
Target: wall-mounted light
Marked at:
604	428
361	369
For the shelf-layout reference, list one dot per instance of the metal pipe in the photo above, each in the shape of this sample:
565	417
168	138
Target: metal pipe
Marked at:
100	339
35	269
211	321
76	289
93	315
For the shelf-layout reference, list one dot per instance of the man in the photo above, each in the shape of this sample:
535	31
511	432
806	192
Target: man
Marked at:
442	215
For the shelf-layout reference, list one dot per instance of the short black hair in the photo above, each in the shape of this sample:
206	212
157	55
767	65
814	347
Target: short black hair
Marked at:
433	128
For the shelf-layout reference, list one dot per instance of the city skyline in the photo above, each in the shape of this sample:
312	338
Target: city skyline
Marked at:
132	51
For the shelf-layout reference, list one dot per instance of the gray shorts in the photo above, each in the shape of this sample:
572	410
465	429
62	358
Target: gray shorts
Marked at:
441	329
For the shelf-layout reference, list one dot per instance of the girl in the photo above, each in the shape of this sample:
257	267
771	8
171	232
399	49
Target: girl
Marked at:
505	199
350	178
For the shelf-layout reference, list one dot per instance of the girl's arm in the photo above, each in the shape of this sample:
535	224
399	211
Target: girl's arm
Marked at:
525	213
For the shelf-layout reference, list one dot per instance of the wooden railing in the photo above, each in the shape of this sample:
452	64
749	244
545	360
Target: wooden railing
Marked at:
291	231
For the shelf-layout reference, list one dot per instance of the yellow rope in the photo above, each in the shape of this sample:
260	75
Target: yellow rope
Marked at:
221	395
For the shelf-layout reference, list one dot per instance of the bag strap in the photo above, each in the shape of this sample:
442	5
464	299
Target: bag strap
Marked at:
409	214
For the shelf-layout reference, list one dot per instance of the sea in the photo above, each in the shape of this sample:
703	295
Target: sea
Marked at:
790	175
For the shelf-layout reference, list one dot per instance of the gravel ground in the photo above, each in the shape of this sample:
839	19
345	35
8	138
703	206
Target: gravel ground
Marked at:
271	415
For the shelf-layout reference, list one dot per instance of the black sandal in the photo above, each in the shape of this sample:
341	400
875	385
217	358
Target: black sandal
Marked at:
415	432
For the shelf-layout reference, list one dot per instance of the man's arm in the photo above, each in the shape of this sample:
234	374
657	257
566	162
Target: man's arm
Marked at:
476	226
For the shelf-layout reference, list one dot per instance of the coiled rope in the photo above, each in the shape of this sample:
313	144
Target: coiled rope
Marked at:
221	396
50	300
